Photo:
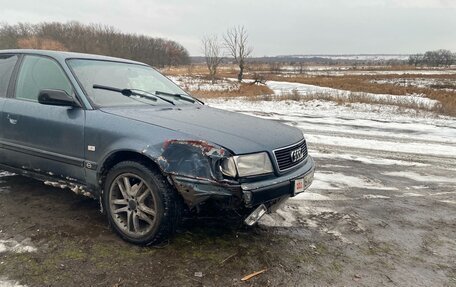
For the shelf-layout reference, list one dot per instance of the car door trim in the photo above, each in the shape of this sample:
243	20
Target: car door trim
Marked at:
12	81
43	154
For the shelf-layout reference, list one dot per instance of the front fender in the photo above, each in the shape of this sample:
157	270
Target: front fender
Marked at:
191	165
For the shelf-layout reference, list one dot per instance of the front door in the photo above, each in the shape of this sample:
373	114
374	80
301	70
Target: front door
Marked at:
42	138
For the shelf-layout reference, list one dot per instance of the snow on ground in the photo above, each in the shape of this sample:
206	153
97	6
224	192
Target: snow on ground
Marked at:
418	82
420	177
281	88
367	159
379	73
379	150
328	118
306	68
355	111
312	196
443	150
14	246
4	282
371	57
286	88
338	180
6	173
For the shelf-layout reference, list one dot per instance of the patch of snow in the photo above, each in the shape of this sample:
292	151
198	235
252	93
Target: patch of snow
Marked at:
6	173
14	246
78	189
332	165
366	160
411	194
360	57
4	282
281	88
401	131
310	196
419	177
369	115
383	145
448	201
420	187
379	72
337	180
375	196
418	82
320	184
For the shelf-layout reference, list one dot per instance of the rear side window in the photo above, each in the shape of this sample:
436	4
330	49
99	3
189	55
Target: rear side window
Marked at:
38	73
7	63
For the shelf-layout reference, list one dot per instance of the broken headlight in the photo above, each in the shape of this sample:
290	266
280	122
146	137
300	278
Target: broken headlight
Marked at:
246	165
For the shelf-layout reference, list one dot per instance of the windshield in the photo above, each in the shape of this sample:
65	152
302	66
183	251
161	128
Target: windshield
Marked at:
125	76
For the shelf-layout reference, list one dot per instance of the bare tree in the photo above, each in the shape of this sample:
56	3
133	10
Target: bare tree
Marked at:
433	58
236	42
415	60
34	42
212	50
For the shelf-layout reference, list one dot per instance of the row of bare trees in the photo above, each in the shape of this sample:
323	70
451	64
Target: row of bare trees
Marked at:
433	58
234	44
94	39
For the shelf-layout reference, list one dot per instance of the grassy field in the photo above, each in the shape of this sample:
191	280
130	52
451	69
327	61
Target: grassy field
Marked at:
436	84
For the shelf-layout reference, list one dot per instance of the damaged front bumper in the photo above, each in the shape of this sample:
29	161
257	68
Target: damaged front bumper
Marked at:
263	191
197	190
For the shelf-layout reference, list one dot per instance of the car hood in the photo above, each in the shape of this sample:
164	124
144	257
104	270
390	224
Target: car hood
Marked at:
237	132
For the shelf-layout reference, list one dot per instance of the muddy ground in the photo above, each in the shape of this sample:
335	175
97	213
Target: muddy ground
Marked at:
363	224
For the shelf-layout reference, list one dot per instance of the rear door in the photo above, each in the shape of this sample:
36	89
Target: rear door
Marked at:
42	138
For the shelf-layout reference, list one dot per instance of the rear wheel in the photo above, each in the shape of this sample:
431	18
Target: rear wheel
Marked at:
141	206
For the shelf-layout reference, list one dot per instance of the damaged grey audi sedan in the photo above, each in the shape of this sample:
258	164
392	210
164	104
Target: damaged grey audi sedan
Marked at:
129	136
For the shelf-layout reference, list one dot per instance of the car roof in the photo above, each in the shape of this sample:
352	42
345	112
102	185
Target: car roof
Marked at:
63	55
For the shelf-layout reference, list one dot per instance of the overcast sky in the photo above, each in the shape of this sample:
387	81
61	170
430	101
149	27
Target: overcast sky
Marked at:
276	27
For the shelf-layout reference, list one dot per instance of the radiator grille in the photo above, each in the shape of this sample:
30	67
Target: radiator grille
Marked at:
284	156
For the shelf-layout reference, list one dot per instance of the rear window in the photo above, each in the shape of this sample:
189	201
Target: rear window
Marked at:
7	63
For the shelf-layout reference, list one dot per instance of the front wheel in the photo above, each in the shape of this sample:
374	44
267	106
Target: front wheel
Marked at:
141	206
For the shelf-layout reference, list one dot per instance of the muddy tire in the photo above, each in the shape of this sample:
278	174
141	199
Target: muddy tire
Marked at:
141	206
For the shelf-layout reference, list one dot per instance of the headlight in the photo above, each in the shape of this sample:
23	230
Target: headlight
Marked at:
247	165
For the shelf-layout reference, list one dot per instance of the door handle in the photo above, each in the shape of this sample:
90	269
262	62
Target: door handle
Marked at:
12	120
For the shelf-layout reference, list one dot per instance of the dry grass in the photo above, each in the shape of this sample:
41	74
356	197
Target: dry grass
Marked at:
224	71
346	99
354	83
363	84
245	90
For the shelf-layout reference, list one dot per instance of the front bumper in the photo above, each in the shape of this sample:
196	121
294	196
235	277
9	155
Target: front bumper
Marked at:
197	190
267	190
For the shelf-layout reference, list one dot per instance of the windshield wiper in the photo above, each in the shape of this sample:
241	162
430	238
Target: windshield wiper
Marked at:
154	95
132	92
179	96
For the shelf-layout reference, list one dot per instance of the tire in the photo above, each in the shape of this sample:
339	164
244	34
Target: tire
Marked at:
141	206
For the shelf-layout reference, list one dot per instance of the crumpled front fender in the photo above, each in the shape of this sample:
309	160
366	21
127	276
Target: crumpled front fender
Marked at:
193	166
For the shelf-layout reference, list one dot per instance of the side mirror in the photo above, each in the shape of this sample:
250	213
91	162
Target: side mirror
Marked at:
57	98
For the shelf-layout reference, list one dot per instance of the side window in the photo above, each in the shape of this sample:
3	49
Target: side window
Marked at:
7	63
38	73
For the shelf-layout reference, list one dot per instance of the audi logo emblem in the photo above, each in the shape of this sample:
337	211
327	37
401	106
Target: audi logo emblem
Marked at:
296	155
